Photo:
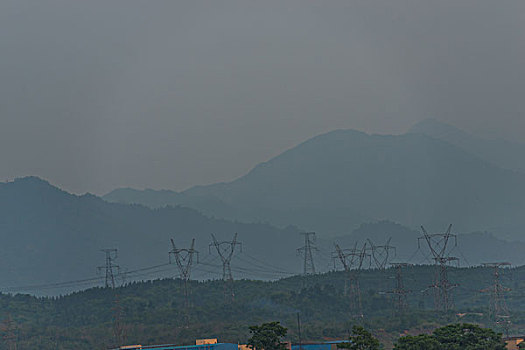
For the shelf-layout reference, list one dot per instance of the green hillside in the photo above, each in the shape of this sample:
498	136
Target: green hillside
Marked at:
152	312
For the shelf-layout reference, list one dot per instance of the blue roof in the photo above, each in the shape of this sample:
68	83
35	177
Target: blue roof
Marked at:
317	346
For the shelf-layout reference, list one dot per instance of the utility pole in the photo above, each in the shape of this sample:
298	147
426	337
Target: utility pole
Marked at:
399	292
225	250
498	311
438	244
306	252
381	253
111	256
352	261
299	331
184	260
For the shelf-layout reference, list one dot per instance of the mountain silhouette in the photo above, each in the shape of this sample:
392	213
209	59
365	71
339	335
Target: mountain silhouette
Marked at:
334	182
49	235
502	153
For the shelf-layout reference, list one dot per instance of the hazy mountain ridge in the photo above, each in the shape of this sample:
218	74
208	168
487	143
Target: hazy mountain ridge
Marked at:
503	153
471	248
334	182
50	235
207	205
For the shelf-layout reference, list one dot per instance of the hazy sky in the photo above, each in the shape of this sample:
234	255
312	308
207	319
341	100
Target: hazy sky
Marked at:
167	94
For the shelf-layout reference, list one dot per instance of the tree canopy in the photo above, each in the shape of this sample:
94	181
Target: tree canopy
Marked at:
418	342
361	339
267	336
454	337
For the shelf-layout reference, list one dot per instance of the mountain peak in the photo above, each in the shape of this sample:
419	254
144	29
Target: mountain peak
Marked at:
32	184
30	181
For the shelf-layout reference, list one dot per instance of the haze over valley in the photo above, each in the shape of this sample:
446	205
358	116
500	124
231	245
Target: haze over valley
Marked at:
345	185
263	175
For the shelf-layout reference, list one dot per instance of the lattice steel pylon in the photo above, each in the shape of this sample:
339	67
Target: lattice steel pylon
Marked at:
119	329
184	259
111	256
306	252
498	311
381	253
226	249
399	293
438	244
352	262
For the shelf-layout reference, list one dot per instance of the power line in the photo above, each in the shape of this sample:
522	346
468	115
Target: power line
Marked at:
267	265
72	283
262	267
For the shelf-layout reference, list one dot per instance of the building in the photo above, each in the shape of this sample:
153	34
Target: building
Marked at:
329	345
202	346
206	341
212	344
513	343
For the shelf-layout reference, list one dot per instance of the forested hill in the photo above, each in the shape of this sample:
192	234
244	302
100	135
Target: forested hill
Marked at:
334	182
49	235
152	312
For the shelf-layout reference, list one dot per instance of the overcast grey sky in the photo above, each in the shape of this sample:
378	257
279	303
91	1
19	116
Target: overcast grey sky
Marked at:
96	95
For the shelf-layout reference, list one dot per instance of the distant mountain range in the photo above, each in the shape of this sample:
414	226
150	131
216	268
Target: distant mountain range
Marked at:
332	183
346	185
49	236
502	153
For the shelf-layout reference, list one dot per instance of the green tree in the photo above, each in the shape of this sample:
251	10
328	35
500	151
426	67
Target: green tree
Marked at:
468	337
418	342
454	337
267	336
360	339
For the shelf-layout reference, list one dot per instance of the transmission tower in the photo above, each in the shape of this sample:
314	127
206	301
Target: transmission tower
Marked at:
110	267
381	253
306	252
498	311
352	261
184	260
9	328
438	244
399	292
225	250
119	329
